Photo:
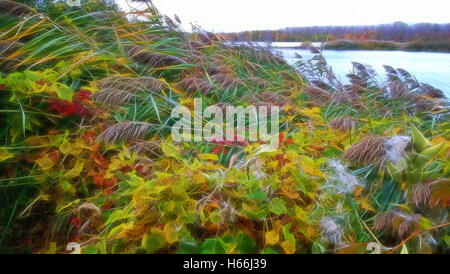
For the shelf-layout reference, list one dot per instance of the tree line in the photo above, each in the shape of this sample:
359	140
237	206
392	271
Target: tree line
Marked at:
398	32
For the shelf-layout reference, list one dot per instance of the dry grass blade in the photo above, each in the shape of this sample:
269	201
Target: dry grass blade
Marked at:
113	97
419	193
370	149
405	74
319	96
274	99
396	89
320	84
192	84
267	98
225	80
353	89
124	132
343	123
217	67
207	38
153	59
15	8
356	80
383	221
435	93
192	45
118	90
123	82
349	98
259	83
391	73
9	47
150	37
151	149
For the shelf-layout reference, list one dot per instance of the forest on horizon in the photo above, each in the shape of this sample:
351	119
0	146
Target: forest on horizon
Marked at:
398	32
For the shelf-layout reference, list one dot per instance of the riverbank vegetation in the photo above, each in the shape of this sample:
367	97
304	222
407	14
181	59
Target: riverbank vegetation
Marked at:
86	153
397	36
363	45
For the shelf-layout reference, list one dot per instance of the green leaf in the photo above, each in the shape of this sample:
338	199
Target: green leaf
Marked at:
116	215
317	248
257	195
246	244
212	246
331	152
152	242
259	214
269	250
93	249
188	247
277	206
64	92
404	250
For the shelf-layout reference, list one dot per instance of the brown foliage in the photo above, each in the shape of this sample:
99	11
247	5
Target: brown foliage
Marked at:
193	84
318	96
370	149
342	123
124	131
15	8
152	59
118	90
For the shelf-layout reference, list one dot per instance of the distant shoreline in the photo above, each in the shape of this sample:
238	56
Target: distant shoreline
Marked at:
343	44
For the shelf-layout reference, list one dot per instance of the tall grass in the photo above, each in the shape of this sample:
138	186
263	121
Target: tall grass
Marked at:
86	96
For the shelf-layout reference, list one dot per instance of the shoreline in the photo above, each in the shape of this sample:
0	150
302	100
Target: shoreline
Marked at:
348	45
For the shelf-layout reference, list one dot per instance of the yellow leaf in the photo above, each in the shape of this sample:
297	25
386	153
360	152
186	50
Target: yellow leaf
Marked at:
5	155
189	102
45	162
300	213
72	148
163	175
310	167
365	204
170	232
209	157
272	237
171	150
437	140
76	170
358	191
288	247
272	164
51	248
37	141
198	177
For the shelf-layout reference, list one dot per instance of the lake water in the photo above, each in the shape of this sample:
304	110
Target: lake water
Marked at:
429	68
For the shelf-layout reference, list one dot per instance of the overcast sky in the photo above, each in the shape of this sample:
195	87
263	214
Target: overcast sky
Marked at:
239	15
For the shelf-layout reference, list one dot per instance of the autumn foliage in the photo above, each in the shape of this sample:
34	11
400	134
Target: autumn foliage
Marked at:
86	154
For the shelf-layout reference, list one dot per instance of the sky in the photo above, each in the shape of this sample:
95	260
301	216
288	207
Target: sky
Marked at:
240	15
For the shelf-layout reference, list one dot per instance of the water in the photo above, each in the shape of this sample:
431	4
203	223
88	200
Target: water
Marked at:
429	68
